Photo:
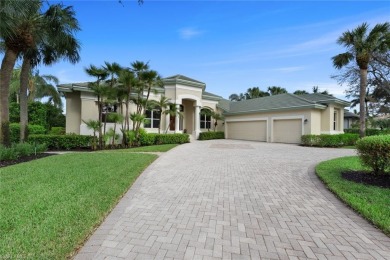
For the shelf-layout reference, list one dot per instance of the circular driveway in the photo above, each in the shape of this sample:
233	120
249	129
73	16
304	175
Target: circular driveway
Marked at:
226	199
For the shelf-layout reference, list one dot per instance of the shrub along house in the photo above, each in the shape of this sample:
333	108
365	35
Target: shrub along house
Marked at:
280	118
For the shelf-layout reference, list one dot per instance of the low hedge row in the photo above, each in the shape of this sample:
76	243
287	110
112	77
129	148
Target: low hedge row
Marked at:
18	150
374	152
63	142
211	135
369	131
14	130
326	140
152	139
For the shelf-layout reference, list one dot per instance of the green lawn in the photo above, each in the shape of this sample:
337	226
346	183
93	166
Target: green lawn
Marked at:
371	202
48	207
153	148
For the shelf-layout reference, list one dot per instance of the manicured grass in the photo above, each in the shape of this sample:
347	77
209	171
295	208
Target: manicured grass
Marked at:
48	207
371	202
153	148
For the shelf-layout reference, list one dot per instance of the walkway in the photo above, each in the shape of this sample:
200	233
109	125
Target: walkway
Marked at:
235	200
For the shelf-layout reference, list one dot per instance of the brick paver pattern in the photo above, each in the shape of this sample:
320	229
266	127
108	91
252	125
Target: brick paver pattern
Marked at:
235	200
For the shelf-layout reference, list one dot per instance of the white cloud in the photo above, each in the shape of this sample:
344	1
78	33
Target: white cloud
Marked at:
189	33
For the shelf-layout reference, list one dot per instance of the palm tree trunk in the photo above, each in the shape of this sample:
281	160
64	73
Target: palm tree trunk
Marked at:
363	86
127	116
7	66
100	123
24	77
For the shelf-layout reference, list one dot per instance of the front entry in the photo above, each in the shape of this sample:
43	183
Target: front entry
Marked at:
172	123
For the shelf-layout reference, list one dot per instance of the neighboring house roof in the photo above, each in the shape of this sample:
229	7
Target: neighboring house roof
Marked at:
324	99
348	114
278	102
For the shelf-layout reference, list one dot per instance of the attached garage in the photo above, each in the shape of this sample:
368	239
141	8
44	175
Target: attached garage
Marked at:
287	131
247	130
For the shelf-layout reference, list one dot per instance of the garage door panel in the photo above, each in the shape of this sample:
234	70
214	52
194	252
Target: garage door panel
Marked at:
248	130
287	131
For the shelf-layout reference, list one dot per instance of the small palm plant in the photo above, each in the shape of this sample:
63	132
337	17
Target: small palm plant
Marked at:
172	110
94	125
217	117
116	118
162	104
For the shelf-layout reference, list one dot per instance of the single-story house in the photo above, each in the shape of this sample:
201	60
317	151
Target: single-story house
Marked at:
349	119
280	118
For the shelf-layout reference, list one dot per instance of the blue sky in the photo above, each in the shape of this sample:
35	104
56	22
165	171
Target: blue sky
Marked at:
229	45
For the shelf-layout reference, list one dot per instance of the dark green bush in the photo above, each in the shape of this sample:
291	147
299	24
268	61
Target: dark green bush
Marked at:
211	135
172	138
147	139
57	130
63	142
32	129
374	152
326	140
369	131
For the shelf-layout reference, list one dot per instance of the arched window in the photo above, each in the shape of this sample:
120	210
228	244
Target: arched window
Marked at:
205	118
152	118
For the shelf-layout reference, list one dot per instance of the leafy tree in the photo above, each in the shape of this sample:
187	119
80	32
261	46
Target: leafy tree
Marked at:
300	92
362	45
274	90
255	92
316	90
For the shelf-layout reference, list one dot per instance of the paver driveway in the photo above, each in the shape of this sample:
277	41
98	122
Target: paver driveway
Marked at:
235	200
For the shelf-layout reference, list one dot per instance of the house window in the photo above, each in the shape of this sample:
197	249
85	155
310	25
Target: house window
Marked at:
205	119
335	121
152	118
107	109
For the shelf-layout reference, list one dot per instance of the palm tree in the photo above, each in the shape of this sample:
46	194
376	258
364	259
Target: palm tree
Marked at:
255	92
216	116
116	118
127	81
18	33
361	45
274	90
237	97
94	125
173	111
162	104
100	91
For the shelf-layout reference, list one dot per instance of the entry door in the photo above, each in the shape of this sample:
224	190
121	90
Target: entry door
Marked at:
172	124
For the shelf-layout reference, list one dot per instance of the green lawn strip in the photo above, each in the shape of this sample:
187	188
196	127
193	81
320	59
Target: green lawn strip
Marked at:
49	206
153	148
371	202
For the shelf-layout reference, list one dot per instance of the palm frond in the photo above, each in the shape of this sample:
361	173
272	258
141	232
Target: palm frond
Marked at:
342	59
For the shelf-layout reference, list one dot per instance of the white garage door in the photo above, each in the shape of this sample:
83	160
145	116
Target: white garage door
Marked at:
287	131
247	130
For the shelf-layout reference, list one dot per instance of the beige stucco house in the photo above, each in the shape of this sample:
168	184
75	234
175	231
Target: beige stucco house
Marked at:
281	118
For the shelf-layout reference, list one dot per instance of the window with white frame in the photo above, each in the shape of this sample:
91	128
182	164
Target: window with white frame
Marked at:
152	118
205	118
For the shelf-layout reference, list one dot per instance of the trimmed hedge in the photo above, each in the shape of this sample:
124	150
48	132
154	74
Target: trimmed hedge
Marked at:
172	138
374	152
32	130
326	140
57	130
211	135
369	131
63	142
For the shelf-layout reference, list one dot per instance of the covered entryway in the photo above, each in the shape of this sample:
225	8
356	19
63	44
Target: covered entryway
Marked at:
247	130
287	131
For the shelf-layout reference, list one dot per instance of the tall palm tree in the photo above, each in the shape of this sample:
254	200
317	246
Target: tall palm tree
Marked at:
18	33
127	82
274	90
162	104
361	45
255	92
237	97
100	91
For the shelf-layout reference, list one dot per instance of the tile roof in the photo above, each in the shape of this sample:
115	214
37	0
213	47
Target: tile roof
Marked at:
178	76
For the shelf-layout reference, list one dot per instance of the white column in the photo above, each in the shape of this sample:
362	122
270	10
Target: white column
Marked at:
197	121
167	120
177	119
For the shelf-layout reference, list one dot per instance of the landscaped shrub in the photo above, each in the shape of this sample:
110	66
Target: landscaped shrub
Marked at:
172	138
369	131
32	129
147	139
211	135
57	130
20	150
326	140
374	152
63	142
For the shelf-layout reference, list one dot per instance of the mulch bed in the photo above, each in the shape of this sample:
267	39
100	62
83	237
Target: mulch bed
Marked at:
382	181
24	159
